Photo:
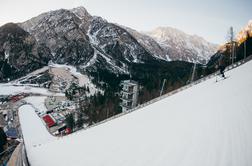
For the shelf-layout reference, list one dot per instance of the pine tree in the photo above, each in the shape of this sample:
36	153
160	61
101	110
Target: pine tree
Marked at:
70	121
80	120
3	140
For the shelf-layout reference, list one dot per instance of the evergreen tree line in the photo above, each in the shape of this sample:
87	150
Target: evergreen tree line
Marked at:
3	140
241	51
149	76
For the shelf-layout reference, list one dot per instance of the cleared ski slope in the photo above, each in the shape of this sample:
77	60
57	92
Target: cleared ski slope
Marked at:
209	124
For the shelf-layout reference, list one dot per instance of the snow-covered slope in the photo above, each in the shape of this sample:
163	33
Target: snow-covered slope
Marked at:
13	89
182	46
209	124
33	129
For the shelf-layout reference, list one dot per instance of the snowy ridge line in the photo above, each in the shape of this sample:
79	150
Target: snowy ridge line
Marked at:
230	67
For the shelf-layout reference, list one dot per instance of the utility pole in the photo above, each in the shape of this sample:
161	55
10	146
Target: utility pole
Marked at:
231	42
230	39
193	72
245	45
162	89
245	48
234	50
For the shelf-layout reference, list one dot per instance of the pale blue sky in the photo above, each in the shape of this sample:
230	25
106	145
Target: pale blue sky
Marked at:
207	18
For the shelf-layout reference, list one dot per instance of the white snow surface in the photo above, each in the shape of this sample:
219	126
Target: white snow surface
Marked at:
38	102
72	69
6	55
33	129
209	124
11	89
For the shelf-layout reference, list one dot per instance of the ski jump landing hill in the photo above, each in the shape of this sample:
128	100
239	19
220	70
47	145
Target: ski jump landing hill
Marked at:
209	124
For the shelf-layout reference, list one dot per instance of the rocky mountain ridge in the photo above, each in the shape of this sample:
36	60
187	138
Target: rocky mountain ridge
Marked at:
91	43
20	53
181	46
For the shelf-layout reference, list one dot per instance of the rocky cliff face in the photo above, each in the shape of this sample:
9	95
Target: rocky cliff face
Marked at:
19	52
116	42
64	33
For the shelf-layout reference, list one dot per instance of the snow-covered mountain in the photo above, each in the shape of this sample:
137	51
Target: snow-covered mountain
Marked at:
63	32
91	43
104	52
181	46
77	38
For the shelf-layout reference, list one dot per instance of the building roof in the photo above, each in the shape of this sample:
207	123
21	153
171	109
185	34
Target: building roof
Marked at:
129	82
12	133
49	120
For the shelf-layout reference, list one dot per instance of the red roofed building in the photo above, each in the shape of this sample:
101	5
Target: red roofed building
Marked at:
49	121
68	130
15	98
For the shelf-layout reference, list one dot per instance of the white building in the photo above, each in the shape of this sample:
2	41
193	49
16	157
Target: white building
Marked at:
129	95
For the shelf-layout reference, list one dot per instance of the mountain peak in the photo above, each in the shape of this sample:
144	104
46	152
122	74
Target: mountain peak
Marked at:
164	30
166	33
57	15
182	46
80	8
81	12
